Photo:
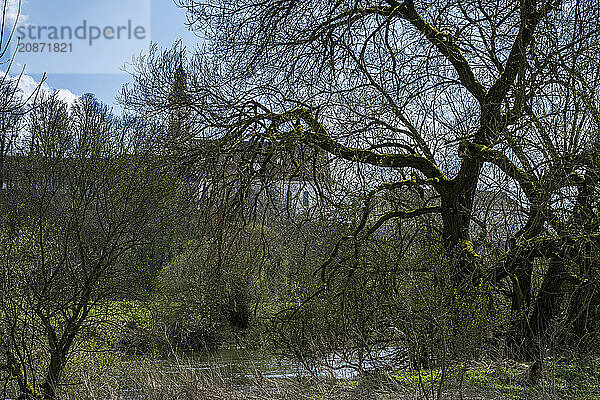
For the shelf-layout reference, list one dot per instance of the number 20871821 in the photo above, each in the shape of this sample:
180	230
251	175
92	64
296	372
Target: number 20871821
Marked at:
45	47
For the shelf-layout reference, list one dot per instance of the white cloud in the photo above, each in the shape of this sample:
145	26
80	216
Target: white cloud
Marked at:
29	86
14	12
67	96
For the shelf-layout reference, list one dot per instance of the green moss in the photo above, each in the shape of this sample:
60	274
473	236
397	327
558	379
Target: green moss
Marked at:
411	379
470	248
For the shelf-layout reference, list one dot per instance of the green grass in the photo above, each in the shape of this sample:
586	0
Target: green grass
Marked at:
561	379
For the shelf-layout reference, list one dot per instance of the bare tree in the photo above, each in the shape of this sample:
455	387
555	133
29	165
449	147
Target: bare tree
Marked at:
88	193
12	102
438	97
10	124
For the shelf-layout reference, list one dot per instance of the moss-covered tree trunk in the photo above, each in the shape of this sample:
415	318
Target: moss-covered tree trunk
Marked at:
457	205
545	307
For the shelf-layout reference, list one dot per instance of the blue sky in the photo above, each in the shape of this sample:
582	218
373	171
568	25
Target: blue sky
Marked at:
160	20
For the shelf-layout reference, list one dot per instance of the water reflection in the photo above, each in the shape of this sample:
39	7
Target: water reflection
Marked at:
242	364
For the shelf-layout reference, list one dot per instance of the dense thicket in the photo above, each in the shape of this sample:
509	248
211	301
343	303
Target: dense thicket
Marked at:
377	183
485	112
